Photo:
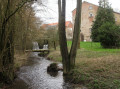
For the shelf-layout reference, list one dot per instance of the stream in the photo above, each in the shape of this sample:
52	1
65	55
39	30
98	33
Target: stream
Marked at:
34	75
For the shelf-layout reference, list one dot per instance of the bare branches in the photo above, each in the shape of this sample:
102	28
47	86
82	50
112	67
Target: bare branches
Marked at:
19	6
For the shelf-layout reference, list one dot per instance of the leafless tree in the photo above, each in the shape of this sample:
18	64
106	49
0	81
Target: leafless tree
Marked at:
68	59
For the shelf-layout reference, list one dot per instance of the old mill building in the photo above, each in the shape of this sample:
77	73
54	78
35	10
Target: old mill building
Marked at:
89	12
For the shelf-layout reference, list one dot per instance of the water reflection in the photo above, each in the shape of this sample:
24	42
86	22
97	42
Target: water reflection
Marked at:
34	76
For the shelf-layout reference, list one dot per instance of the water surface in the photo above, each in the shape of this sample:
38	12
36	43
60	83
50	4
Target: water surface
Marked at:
34	75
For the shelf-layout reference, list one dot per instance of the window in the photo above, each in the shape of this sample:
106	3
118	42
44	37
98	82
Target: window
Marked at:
90	14
70	29
90	7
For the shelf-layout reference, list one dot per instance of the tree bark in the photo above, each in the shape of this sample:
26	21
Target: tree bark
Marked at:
76	33
62	37
7	47
78	43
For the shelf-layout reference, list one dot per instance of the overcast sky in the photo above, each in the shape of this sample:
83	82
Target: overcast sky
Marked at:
49	11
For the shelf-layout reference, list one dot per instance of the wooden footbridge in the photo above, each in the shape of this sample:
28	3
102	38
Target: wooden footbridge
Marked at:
43	52
40	50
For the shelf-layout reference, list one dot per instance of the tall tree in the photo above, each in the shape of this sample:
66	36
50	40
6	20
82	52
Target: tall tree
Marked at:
76	34
68	59
101	18
8	9
62	37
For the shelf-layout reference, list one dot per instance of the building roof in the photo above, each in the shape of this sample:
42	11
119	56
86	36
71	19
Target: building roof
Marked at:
88	3
52	24
67	24
74	11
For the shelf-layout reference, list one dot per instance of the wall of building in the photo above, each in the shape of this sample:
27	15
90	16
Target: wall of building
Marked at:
117	17
88	14
69	33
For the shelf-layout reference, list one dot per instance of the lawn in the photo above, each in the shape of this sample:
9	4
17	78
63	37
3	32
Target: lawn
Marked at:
96	67
94	46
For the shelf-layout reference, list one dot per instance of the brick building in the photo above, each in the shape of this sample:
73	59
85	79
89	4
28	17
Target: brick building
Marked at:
69	26
88	14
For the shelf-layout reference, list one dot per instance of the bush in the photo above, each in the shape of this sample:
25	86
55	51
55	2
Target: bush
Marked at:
109	35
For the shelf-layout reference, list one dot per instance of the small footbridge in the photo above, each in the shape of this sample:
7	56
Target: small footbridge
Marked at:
39	50
42	52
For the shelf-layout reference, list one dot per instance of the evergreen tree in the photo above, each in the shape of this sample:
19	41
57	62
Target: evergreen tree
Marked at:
104	14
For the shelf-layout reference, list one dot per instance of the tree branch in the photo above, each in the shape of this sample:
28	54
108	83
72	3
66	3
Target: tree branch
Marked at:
19	7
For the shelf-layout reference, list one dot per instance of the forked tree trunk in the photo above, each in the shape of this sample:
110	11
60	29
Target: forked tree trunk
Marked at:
62	37
76	34
68	59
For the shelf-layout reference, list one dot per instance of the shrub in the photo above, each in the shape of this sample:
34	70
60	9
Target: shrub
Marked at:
109	35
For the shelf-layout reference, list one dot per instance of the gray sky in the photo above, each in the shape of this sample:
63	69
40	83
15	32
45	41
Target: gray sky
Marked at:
49	11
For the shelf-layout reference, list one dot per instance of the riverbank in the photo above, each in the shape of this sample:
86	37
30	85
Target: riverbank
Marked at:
96	68
20	60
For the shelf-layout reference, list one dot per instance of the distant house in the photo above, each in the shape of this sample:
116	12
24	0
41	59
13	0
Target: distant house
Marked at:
50	26
88	14
69	26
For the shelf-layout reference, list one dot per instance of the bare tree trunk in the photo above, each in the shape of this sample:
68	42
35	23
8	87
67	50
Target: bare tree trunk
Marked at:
62	37
76	33
78	43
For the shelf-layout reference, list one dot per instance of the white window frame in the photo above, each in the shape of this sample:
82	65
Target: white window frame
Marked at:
90	7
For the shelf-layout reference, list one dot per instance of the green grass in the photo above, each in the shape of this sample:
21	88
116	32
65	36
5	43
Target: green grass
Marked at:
94	46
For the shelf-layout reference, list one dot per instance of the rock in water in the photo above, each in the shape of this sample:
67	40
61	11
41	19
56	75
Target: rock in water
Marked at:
52	67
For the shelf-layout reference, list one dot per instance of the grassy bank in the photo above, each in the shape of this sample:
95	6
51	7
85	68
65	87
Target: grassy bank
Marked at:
20	59
96	67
